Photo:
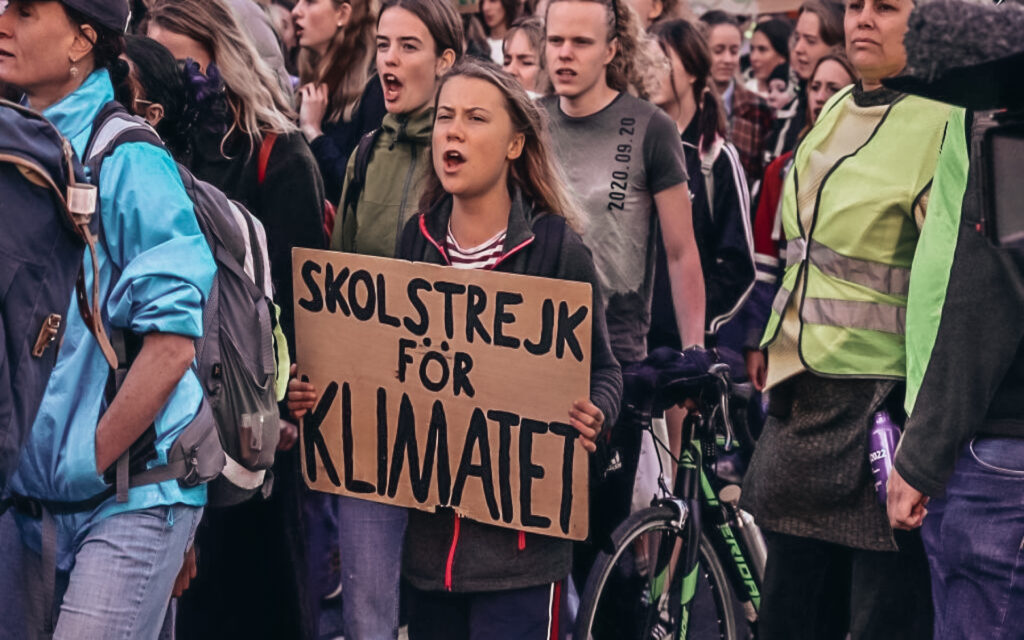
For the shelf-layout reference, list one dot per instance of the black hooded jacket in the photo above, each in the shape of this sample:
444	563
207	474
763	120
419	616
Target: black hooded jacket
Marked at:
442	550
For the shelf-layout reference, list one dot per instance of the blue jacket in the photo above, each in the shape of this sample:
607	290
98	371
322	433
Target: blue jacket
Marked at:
165	273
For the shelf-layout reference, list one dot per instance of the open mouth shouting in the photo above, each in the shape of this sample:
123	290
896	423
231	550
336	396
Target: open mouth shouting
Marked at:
392	87
452	160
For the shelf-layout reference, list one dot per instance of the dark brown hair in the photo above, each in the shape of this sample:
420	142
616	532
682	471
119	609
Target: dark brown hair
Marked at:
692	48
830	20
511	13
346	65
440	17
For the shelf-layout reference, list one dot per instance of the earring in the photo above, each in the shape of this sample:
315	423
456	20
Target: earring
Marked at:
74	71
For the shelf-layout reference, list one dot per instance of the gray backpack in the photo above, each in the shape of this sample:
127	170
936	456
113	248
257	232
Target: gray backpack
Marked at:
235	358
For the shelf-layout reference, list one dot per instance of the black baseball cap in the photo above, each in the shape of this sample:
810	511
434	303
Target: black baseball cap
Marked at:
112	14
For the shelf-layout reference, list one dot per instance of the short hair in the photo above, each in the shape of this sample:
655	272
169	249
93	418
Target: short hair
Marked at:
717	17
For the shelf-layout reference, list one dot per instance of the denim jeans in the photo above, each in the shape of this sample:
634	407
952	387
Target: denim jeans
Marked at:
121	581
974	536
371	564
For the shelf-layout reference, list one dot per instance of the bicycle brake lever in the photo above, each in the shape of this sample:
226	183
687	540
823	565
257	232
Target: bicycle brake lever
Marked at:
721	373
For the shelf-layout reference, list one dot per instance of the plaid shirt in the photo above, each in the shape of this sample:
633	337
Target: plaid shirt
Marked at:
749	126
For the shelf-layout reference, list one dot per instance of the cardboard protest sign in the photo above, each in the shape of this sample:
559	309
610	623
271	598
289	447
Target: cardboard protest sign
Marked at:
445	387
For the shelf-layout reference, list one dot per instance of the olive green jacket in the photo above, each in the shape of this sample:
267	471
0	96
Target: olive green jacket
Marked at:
395	177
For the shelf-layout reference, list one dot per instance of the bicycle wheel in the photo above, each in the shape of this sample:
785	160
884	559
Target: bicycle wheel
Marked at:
636	593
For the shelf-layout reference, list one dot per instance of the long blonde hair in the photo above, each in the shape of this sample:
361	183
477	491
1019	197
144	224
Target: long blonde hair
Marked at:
633	55
258	104
535	171
347	65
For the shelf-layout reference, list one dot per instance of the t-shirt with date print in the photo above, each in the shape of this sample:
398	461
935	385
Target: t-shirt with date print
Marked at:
616	160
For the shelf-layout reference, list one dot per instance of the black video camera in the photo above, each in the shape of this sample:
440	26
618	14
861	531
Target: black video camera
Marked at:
971	55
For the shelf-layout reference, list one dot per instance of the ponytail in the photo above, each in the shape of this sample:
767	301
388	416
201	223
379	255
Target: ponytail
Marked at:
710	119
691	47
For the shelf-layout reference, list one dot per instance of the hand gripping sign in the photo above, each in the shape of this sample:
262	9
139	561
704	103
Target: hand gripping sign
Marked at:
445	387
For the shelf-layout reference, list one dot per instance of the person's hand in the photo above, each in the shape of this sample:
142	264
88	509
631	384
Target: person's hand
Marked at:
186	573
588	420
757	368
905	504
289	436
312	109
301	395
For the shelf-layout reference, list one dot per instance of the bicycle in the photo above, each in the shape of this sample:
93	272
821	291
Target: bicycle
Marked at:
690	540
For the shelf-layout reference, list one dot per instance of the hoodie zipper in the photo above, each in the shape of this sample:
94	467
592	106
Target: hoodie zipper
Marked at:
405	191
513	251
451	555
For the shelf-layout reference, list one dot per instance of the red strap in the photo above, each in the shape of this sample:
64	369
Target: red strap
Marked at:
556	610
265	148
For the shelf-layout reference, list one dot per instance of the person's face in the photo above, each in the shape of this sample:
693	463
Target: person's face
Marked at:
284	25
577	47
778	93
38	46
473	139
829	78
317	22
493	13
724	41
808	47
670	84
648	10
521	61
406	61
763	58
874	36
181	46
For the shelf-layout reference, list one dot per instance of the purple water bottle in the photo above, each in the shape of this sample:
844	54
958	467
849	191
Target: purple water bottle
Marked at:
884	436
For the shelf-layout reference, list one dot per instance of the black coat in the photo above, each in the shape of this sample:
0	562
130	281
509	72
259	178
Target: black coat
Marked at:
333	148
724	242
489	558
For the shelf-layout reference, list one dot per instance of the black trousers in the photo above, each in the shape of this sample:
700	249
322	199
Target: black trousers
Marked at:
815	590
531	613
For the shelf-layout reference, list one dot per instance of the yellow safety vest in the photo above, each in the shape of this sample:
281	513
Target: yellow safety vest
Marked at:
856	255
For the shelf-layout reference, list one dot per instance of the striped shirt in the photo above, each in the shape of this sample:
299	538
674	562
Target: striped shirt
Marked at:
482	256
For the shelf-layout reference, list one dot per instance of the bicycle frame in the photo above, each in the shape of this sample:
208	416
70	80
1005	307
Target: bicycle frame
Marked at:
700	510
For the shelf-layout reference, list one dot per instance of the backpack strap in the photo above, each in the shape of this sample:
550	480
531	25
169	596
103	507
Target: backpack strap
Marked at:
543	259
113	127
266	146
355	185
411	244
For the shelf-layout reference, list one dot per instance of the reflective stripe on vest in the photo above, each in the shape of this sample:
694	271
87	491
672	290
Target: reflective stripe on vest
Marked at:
894	281
851	314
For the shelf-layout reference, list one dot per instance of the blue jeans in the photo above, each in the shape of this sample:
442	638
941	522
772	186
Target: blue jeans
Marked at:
121	581
371	565
974	536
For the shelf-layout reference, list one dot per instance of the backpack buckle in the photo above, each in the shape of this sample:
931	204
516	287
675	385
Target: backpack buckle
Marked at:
47	334
81	202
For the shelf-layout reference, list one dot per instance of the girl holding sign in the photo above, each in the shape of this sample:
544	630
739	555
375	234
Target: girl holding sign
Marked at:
417	42
495	201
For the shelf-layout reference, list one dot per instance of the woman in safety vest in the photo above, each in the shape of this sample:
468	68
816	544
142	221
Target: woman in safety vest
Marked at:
852	207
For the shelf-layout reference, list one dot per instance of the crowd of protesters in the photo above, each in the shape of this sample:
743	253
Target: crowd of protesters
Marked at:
742	183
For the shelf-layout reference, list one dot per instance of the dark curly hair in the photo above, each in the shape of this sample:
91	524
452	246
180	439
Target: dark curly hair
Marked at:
107	48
